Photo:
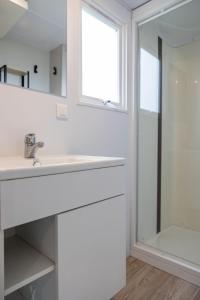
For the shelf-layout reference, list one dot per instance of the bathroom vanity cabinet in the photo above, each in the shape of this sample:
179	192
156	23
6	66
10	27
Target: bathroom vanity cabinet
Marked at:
63	230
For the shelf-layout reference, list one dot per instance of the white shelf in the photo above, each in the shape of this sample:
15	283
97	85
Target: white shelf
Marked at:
16	71
23	264
15	296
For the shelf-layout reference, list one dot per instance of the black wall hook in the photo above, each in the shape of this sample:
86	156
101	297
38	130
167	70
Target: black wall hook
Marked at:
35	69
54	71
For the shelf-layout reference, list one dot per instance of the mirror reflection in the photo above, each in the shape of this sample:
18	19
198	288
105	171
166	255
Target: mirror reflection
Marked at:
33	51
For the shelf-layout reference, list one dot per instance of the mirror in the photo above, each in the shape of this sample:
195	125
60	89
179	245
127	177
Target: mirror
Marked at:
33	45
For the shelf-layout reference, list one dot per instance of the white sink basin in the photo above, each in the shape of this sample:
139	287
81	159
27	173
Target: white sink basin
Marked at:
19	167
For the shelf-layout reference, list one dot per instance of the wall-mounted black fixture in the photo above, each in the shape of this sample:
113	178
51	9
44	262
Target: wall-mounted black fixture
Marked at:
35	69
3	70
55	71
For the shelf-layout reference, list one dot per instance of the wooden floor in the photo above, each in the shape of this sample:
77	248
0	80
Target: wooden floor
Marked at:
145	282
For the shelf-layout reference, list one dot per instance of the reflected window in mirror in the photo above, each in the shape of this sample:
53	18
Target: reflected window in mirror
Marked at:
33	45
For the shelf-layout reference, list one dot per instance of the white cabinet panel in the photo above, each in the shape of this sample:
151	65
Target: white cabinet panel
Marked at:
92	251
29	199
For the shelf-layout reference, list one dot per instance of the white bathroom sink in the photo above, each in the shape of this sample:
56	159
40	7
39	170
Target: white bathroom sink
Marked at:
19	167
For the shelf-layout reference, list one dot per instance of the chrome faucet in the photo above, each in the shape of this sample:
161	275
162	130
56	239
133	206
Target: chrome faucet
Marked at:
31	146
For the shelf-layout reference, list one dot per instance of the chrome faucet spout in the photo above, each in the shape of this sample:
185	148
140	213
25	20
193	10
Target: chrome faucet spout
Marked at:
31	147
35	148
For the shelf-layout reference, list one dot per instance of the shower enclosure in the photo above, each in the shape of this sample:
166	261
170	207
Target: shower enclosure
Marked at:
169	133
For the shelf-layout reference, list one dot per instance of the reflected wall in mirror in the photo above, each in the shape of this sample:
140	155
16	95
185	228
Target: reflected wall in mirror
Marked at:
33	45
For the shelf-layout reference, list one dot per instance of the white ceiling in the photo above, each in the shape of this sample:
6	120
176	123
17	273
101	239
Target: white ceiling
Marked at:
43	26
134	3
181	26
10	13
177	28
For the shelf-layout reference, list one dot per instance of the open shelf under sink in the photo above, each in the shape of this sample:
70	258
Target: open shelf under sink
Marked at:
15	296
23	265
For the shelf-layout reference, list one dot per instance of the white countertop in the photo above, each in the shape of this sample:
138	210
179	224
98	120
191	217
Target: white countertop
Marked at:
18	167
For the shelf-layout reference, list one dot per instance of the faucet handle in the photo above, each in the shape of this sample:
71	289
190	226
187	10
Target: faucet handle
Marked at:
30	139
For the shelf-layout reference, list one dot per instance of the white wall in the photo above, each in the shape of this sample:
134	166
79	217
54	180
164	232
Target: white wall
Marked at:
23	111
88	130
20	56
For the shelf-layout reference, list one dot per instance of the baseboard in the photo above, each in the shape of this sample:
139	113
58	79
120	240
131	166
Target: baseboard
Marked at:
167	263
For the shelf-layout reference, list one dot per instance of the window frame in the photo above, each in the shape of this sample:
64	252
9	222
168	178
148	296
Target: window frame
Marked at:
114	22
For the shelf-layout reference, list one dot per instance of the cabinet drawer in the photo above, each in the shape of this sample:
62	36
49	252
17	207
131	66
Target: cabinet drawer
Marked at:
29	199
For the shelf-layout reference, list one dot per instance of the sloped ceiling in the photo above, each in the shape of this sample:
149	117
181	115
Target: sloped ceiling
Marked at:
43	26
10	13
135	3
181	26
178	27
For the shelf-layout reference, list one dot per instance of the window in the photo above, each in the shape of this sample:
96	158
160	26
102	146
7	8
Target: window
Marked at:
149	81
101	59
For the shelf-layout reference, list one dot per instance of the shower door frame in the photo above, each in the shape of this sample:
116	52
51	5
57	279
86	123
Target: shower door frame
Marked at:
164	261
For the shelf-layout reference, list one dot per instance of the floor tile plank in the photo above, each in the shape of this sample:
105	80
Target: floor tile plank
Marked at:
145	282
